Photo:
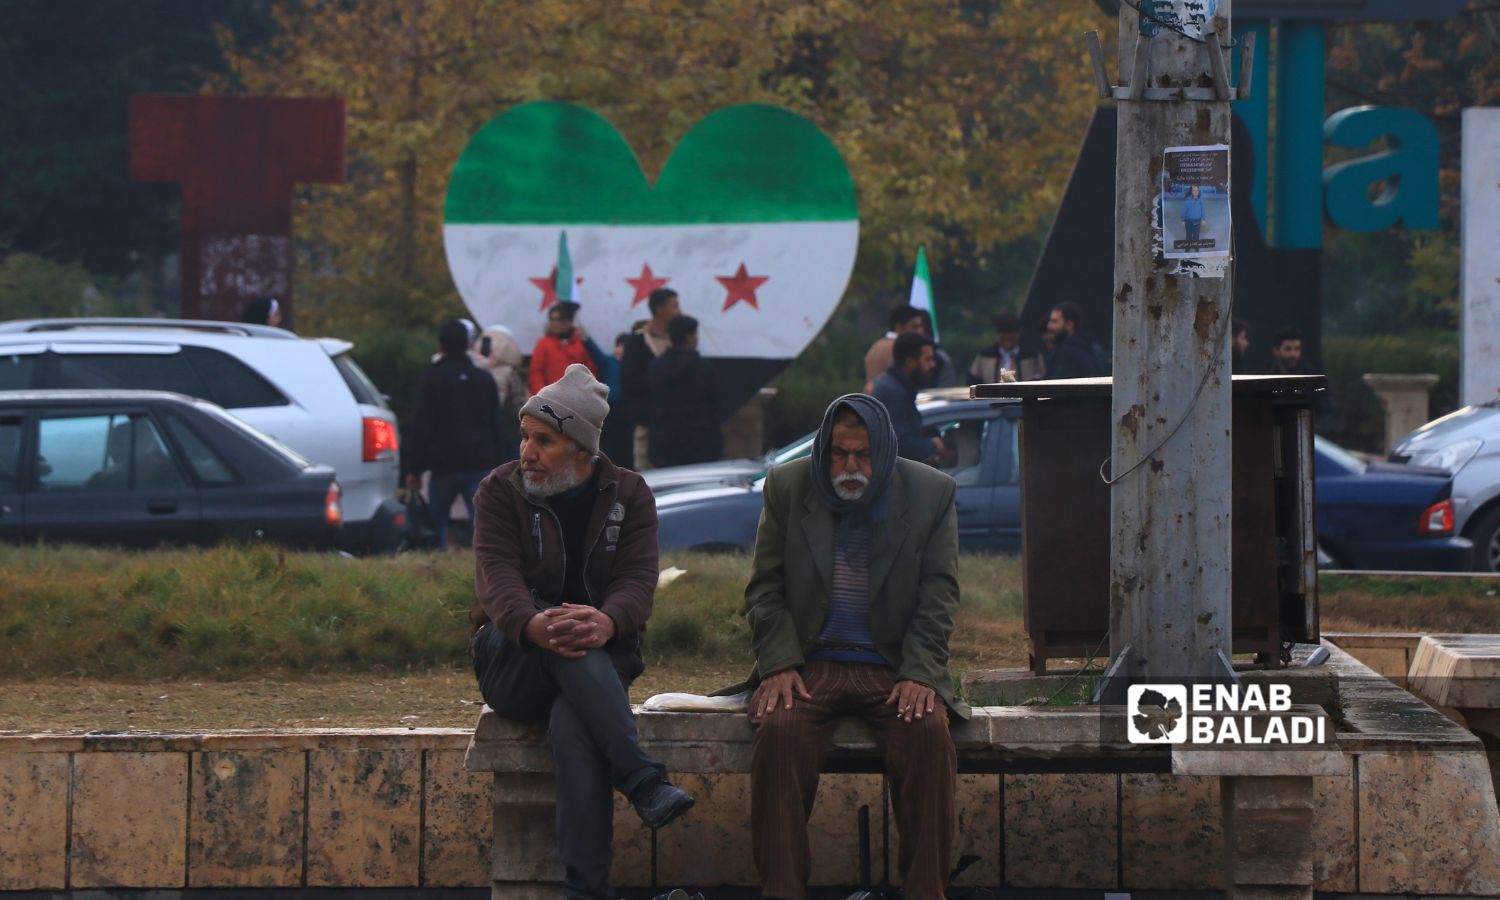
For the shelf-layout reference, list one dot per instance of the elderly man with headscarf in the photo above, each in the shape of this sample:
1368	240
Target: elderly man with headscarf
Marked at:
850	605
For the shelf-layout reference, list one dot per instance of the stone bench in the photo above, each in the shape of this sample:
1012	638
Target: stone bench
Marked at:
698	748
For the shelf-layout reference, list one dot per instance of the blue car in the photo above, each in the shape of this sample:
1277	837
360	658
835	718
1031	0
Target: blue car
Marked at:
1385	515
1369	515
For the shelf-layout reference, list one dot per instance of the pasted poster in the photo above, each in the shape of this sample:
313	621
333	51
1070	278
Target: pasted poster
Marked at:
1480	272
1195	217
753	222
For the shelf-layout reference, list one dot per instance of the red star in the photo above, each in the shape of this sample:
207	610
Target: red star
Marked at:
644	285
741	286
548	287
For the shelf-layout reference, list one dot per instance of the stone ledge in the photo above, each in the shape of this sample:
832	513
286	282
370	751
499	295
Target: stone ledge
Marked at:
182	742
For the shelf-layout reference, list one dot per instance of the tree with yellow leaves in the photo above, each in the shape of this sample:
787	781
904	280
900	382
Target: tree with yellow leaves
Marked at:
958	120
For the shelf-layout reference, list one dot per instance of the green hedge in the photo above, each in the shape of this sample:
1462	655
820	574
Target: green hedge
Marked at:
1351	415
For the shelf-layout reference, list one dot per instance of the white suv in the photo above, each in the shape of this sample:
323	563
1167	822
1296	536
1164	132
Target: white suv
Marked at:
308	393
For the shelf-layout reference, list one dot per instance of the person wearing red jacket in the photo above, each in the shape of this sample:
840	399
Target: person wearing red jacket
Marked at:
560	347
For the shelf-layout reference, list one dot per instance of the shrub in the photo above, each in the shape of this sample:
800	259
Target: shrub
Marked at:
1352	415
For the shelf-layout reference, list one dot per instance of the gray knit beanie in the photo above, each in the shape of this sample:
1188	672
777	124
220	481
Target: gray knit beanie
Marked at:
576	403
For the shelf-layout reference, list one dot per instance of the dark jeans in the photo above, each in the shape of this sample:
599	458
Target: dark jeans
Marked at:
441	489
590	731
1191	226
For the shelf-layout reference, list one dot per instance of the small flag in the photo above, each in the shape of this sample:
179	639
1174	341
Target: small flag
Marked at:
921	290
564	282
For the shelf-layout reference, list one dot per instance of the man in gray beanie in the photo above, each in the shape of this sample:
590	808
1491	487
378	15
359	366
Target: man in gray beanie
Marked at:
566	566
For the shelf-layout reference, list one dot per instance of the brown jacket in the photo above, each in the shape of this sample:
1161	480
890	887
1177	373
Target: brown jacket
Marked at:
519	555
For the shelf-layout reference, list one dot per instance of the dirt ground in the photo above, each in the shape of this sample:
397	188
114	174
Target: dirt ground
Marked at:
431	700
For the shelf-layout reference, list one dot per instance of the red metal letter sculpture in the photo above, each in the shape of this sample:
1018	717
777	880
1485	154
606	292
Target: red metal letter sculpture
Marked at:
237	159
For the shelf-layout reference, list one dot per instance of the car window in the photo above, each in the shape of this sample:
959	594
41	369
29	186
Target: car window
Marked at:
206	463
10	455
128	371
359	383
963	449
229	382
17	371
103	452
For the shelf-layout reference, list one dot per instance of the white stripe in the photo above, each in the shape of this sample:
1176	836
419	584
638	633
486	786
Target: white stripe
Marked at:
807	265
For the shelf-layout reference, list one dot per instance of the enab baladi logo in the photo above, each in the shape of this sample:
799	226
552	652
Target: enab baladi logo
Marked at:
1219	715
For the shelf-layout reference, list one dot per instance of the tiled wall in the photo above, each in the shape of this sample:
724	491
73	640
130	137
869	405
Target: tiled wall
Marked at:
371	809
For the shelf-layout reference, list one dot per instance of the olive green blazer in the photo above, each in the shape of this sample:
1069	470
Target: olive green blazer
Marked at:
913	575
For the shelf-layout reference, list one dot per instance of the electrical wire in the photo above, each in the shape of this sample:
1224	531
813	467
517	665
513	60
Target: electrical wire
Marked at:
1223	334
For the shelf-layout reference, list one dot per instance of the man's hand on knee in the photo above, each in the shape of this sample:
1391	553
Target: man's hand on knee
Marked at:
777	691
912	700
570	630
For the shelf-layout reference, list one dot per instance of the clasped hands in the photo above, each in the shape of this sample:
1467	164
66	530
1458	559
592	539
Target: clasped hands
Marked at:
570	630
911	699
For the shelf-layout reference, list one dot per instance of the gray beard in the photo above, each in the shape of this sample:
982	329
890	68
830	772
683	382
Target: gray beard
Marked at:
565	480
844	493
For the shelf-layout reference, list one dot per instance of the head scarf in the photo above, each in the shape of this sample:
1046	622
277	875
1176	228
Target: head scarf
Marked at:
871	505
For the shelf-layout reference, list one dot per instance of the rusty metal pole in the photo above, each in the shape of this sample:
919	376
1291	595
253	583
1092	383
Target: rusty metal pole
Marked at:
1170	505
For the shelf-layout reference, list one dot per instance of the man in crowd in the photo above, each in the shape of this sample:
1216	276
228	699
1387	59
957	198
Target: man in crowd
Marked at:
646	343
1004	354
559	347
850	604
1073	355
1239	346
897	388
1286	354
944	373
456	434
684	401
566	568
903	318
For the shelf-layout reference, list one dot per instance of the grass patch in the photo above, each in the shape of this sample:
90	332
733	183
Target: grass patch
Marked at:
237	612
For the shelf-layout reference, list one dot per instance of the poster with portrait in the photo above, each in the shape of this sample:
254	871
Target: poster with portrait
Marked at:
1194	202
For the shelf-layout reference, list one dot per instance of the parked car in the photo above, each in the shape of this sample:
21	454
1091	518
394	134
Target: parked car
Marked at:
1381	515
138	468
721	509
307	393
1466	443
1372	516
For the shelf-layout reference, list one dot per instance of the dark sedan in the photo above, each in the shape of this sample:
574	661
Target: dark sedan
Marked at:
139	468
1369	515
1385	516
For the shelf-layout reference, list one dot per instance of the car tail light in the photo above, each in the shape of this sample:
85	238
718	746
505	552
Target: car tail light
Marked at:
380	439
1437	519
333	505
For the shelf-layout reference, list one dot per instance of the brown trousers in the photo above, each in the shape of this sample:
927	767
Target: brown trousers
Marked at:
789	749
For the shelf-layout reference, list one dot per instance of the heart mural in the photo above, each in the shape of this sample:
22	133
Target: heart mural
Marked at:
753	222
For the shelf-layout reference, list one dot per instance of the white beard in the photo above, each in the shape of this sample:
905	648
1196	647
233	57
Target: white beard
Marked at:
851	493
565	480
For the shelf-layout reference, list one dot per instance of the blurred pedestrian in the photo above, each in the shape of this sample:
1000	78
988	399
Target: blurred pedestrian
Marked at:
558	348
1286	354
902	319
618	438
262	311
1073	354
912	362
1238	348
499	354
944	373
456	434
647	342
684	423
1003	355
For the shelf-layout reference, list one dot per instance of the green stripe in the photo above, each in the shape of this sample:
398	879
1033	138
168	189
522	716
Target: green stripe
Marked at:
554	163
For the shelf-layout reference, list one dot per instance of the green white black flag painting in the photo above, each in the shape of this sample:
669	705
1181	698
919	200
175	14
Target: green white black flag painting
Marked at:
753	222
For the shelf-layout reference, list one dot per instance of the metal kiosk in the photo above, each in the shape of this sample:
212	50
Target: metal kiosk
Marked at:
1065	514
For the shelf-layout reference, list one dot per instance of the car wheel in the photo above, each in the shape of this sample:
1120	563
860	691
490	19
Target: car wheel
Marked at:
1485	533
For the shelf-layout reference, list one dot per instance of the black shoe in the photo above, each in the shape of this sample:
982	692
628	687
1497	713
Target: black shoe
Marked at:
659	802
